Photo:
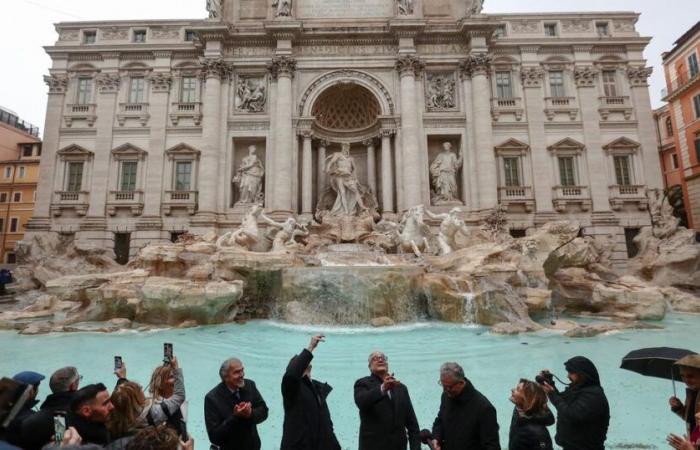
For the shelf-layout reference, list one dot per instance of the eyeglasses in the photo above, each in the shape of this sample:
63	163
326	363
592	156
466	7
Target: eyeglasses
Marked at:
448	387
379	358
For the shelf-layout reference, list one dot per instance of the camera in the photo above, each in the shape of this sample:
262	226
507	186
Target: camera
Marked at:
545	377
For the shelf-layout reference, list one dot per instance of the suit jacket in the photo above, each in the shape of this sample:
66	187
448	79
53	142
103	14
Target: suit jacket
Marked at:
307	420
386	423
226	430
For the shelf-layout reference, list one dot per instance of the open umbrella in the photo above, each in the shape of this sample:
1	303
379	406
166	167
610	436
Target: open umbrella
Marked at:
656	362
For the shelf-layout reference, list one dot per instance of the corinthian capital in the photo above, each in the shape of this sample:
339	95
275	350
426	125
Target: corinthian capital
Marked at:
57	83
476	64
213	68
585	76
160	81
282	66
532	76
639	76
108	83
409	65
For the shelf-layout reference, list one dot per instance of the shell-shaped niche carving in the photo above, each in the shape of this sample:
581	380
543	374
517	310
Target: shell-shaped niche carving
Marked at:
346	107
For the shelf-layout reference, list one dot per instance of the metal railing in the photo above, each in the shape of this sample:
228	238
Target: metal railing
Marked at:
14	121
682	80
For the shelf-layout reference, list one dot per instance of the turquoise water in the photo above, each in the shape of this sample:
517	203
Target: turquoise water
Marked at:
494	364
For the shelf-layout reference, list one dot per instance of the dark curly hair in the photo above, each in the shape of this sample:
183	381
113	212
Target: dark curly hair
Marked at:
154	438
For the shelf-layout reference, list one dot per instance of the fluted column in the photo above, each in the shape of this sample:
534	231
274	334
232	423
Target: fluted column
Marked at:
371	166
409	67
306	173
470	187
387	173
321	167
639	89
282	70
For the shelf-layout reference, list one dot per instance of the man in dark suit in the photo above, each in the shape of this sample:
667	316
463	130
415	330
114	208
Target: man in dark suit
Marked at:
233	409
387	419
307	421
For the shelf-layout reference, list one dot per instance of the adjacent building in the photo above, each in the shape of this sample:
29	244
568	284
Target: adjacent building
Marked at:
148	122
20	151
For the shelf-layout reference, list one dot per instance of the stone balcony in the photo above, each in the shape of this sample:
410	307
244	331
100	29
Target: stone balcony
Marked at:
86	112
186	111
610	105
138	111
511	105
180	200
563	196
560	105
630	194
517	196
132	200
70	200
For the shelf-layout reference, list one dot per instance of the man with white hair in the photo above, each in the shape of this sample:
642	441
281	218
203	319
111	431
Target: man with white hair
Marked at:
233	409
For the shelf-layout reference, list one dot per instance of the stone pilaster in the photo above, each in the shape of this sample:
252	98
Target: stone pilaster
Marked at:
387	172
282	70
306	172
470	187
639	90
409	67
158	106
321	167
371	165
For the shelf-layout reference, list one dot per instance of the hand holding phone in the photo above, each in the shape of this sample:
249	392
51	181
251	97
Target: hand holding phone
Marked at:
59	428
118	363
167	352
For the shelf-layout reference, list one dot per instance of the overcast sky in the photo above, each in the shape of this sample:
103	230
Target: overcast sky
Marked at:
27	25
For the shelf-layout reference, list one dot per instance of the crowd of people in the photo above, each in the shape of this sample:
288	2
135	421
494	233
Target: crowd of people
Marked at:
134	418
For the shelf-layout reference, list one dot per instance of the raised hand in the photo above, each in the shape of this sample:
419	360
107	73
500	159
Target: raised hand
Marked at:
314	342
679	443
121	372
675	403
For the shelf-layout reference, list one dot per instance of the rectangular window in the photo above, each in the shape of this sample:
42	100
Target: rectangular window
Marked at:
567	171
188	90
602	28
556	84
183	175
550	29
139	35
189	35
21	172
511	170
8	172
136	88
632	249
3	197
84	91
696	106
14	224
609	83
27	150
500	31
693	65
128	176
669	127
17	197
75	177
503	85
2	225
623	175
10	258
89	37
697	149
674	160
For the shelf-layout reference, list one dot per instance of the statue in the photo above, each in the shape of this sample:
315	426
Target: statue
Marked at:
340	173
449	227
664	223
443	171
441	93
406	7
283	8
285	233
414	234
477	7
250	97
215	8
247	236
249	178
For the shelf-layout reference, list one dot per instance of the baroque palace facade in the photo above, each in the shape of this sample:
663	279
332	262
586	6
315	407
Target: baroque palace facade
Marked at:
154	128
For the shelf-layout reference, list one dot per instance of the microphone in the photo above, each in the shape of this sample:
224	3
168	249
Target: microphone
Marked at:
426	437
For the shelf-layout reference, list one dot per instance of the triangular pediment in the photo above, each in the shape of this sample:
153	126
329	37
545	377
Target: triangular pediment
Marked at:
129	150
622	142
182	149
567	144
512	144
75	150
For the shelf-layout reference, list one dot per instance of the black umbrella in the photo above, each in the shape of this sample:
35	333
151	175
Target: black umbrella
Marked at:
656	362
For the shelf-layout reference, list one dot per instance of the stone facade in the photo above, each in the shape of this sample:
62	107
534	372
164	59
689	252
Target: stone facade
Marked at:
148	123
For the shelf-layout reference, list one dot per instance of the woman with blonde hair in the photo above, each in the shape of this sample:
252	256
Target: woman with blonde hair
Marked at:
531	417
127	416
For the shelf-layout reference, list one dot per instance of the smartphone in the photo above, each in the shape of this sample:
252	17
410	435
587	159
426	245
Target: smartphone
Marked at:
167	352
118	363
59	427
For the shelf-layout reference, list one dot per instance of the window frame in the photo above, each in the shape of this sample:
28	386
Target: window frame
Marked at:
499	87
3	197
190	33
14	220
139	32
2	224
134	175
8	172
83	91
609	84
137	85
697	148
30	147
17	197
176	181
574	170
551	26
696	106
517	166
674	161
21	172
669	127
693	66
602	29
622	172
561	86
185	88
89	37
69	176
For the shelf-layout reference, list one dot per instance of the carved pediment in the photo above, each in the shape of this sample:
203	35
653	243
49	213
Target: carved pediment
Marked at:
512	146
622	144
129	150
74	150
567	144
182	150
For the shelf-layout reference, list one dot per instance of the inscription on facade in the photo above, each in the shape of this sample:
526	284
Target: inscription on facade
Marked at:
344	8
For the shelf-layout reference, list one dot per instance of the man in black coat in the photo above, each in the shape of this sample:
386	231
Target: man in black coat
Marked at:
307	420
583	413
233	409
90	409
387	419
466	420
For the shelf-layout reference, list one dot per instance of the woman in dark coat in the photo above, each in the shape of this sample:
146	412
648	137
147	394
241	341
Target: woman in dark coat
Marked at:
531	417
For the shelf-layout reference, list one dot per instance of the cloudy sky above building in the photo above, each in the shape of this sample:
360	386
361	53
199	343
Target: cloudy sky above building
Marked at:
27	25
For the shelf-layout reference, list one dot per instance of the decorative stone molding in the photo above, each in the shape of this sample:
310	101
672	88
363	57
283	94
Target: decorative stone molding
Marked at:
624	25
532	77
251	94
108	83
69	35
57	83
585	76
639	76
282	66
161	81
165	33
115	34
213	68
305	134
409	65
476	64
525	26
386	132
576	25
441	91
622	146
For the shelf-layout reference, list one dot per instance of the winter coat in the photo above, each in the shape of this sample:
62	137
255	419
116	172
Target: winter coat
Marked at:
14	429
467	421
530	432
38	429
386	423
684	411
307	420
226	430
583	413
90	432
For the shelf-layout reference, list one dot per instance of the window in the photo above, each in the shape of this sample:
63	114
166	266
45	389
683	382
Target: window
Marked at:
623	175
183	175
136	87
14	224
139	35
500	31
693	65
21	172
511	171
75	177
632	249
696	106
10	258
189	35
84	90
669	127
8	172
602	28
128	176
17	197
674	160
3	197
550	29
609	83
556	84
2	225
697	148
503	85
188	90
27	150
89	37
567	173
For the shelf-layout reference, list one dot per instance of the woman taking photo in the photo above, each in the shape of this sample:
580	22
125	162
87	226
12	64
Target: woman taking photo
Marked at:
531	417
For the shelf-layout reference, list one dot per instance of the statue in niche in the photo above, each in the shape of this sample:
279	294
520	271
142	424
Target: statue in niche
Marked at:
283	8
342	181
251	95
449	227
249	178
284	234
215	8
406	7
247	235
414	235
443	173
441	93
